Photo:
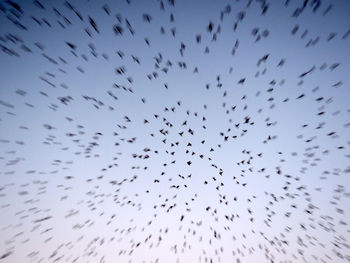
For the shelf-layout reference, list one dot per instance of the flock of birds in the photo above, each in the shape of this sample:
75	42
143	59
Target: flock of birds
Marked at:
180	131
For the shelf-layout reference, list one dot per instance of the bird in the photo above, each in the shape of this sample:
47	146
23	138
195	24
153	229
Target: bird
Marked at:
174	130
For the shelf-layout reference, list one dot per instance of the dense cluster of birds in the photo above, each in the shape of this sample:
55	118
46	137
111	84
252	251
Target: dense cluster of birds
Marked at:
174	131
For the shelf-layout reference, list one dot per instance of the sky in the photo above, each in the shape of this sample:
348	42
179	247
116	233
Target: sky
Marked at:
228	144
